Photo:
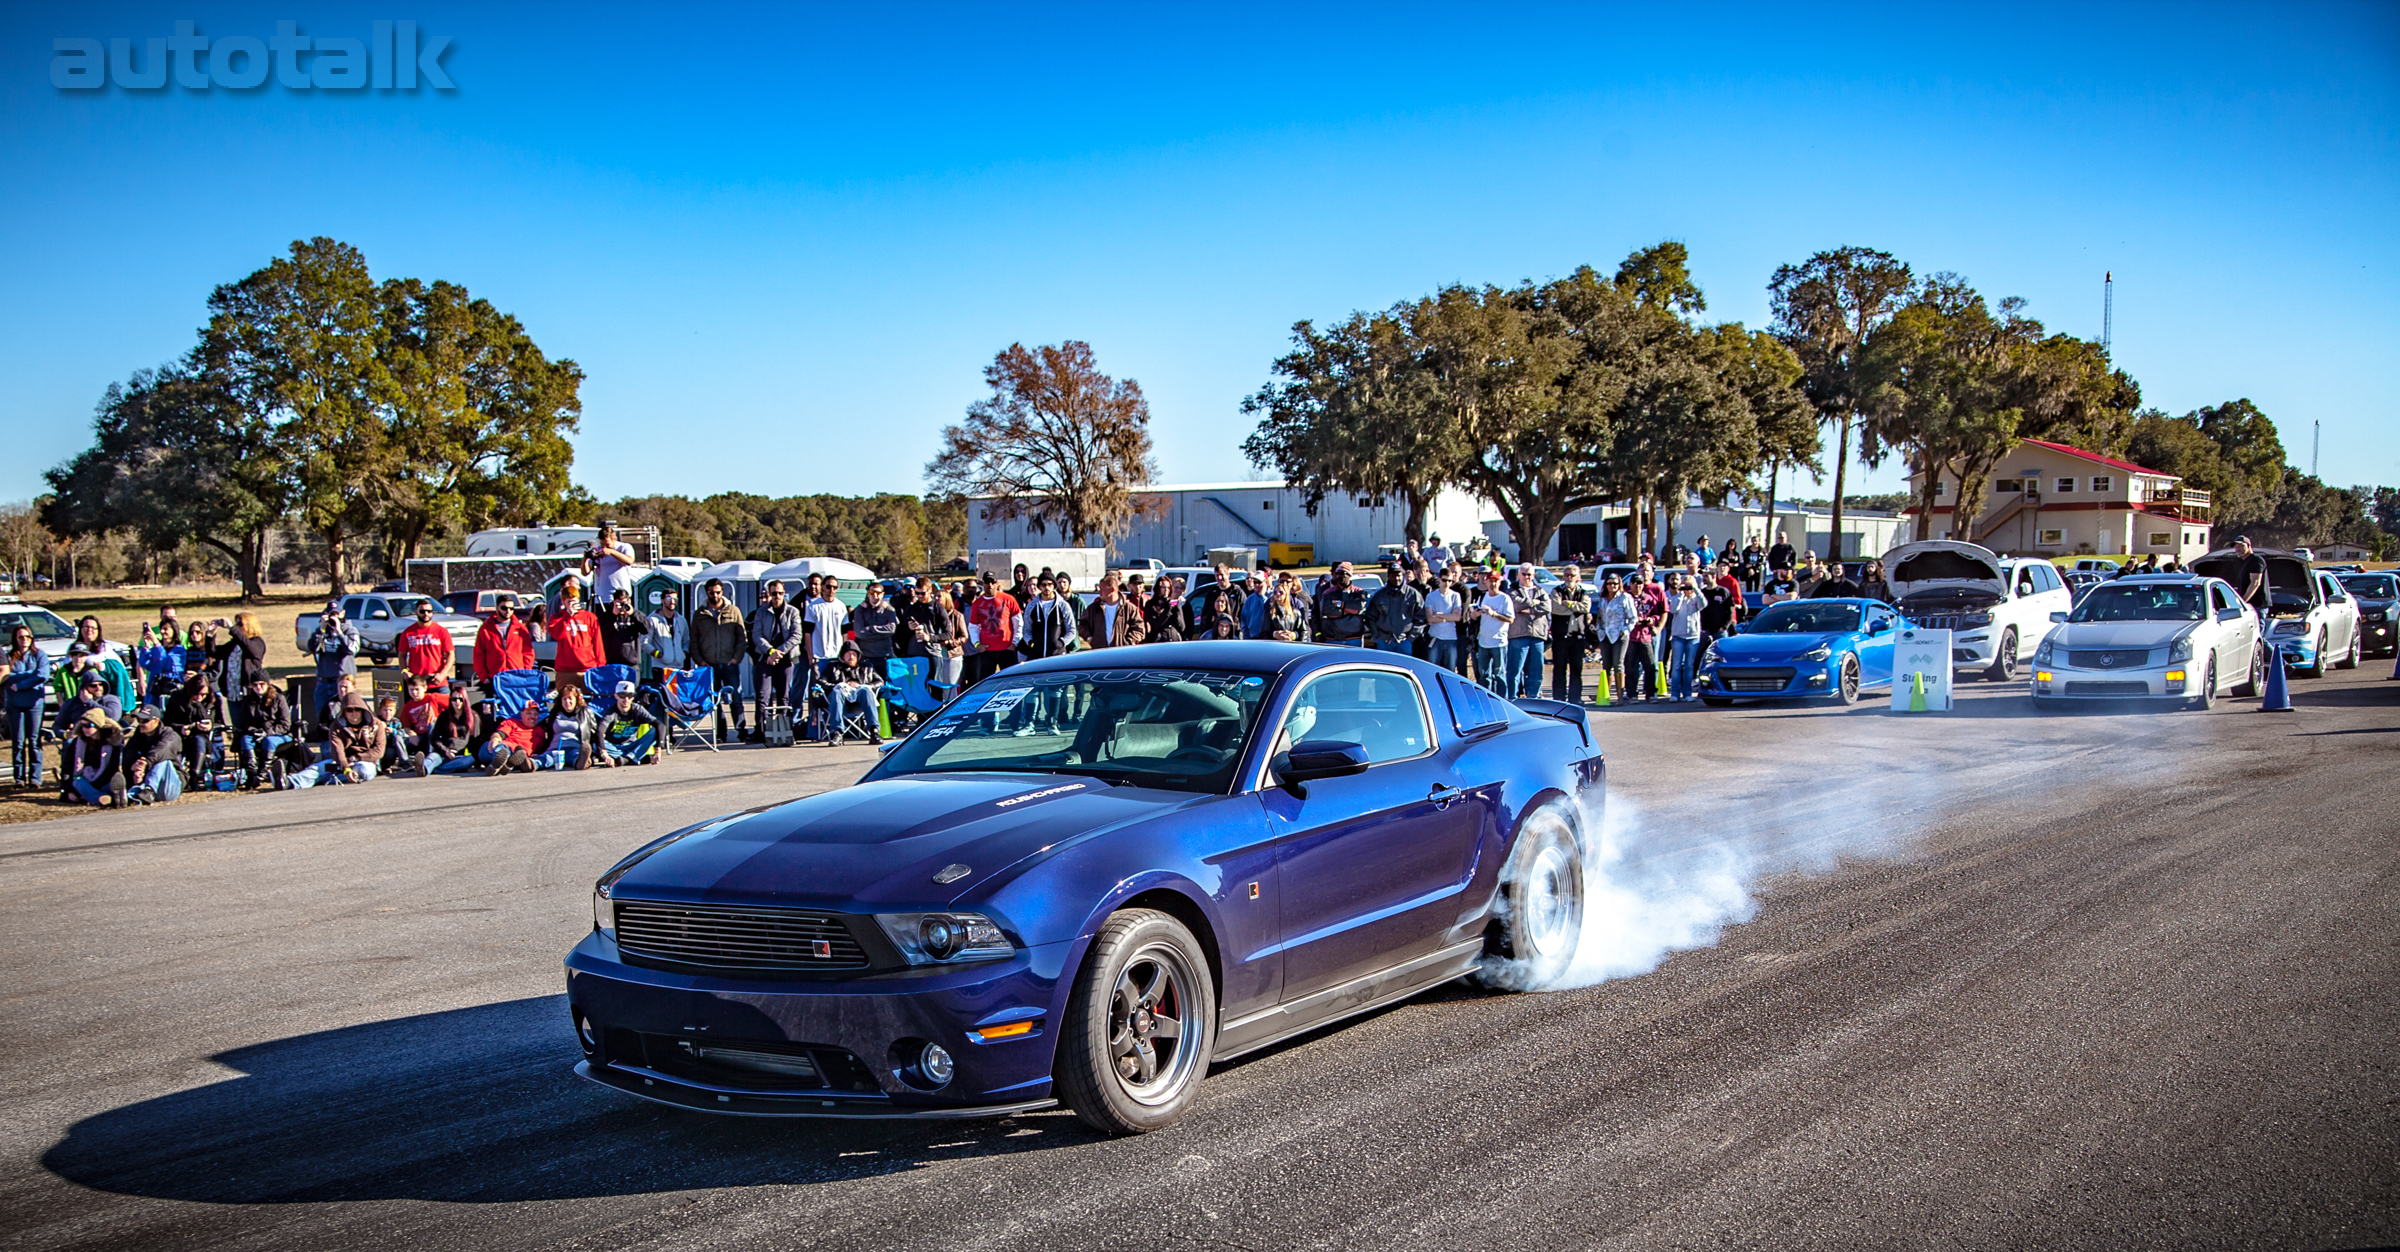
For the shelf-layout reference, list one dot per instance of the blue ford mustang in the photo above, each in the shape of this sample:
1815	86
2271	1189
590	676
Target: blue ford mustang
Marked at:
1089	877
1835	648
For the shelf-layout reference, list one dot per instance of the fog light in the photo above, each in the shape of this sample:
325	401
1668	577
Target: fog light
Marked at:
2174	675
586	1035
2041	675
934	1062
1816	680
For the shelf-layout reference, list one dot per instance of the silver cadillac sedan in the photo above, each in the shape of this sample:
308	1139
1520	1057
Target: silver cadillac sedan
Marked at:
2178	637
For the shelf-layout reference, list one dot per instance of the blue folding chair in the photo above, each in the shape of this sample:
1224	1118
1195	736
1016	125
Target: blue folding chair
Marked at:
513	689
688	701
600	681
906	686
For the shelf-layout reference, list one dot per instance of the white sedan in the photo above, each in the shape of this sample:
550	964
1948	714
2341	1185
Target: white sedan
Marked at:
2179	637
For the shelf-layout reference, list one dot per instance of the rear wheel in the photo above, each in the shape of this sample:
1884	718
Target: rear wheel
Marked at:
2004	658
1539	922
1139	1025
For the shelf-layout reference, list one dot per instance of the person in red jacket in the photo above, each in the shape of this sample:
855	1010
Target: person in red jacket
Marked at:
576	631
425	649
504	643
515	742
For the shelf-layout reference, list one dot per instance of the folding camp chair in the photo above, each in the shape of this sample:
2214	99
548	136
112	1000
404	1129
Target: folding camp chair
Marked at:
600	681
513	689
906	691
688	702
863	725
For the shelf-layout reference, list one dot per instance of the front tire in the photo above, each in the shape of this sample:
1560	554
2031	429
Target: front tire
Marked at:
2257	682
1140	1025
2350	661
2004	658
1538	920
2316	668
2207	698
1846	686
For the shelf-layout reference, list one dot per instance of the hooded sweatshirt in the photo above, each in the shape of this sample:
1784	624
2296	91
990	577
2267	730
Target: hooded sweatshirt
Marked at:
356	743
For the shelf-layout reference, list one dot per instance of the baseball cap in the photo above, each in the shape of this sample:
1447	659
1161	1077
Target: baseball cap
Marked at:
146	712
624	689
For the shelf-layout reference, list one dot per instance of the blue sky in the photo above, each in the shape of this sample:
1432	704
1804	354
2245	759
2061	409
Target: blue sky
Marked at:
783	241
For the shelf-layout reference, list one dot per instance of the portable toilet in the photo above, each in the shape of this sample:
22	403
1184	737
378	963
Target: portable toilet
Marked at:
851	578
552	585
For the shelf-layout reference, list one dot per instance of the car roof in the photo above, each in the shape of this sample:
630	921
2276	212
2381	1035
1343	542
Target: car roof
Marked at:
1261	655
2141	579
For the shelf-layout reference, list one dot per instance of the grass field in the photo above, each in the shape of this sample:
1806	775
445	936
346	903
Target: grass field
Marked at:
122	612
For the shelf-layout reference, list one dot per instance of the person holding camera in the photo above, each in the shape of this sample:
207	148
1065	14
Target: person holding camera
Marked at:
608	563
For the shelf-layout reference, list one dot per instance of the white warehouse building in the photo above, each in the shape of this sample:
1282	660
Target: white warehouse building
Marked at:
1180	522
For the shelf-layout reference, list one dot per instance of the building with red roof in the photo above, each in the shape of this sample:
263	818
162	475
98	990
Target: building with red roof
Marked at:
2048	499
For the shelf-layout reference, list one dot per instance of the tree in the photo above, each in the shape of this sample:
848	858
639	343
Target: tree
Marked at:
1352	413
2229	450
175	457
1057	440
24	541
478	416
297	345
1825	308
1501	374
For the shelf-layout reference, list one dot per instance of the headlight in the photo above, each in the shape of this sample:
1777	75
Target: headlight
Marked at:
2290	627
1710	657
1818	653
2182	651
2043	654
1975	619
604	912
944	938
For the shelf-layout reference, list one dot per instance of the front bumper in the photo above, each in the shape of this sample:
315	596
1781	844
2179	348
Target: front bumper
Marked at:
2377	636
1778	680
659	1035
2177	681
2297	650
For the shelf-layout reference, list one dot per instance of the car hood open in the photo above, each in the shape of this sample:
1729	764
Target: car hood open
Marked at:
883	841
1944	564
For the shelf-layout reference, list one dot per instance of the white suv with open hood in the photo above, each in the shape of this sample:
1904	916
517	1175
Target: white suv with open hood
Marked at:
1996	608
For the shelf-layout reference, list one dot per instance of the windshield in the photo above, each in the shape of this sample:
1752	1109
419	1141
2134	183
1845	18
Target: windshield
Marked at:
42	622
2116	602
1182	729
2372	586
1805	619
403	605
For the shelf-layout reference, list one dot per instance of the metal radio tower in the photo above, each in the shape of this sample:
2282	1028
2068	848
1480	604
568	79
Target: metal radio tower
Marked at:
2108	308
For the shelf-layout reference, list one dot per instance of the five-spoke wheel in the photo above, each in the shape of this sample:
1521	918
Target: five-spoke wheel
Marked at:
1138	1026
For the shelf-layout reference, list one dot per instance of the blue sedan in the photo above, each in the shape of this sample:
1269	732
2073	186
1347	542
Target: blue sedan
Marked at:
1088	878
1803	648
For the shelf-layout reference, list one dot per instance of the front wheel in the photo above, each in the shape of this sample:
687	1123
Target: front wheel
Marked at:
2004	658
1539	916
1846	687
1139	1025
2350	660
2316	668
2257	681
2206	699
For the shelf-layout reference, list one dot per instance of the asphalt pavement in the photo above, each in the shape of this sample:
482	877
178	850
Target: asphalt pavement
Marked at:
2099	980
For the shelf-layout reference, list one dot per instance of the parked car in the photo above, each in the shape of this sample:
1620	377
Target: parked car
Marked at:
2081	581
381	616
2101	565
681	564
1996	608
2304	554
51	633
1802	649
2316	621
2378	597
2185	638
1089	878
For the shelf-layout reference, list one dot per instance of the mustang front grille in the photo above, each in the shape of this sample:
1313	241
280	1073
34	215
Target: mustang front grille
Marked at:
737	938
2108	689
2117	658
743	1063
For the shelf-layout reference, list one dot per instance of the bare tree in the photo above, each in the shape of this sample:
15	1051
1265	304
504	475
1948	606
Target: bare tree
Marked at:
23	539
1057	440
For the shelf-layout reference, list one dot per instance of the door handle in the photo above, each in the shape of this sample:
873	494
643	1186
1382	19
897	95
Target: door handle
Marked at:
1443	797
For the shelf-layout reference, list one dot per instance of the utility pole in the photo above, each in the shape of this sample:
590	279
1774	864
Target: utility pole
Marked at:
2108	308
2316	440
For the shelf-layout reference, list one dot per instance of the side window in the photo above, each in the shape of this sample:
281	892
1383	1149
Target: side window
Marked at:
2025	583
1471	707
1379	710
2050	579
2332	589
354	609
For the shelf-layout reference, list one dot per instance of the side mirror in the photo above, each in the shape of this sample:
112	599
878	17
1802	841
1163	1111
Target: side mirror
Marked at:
886	746
1319	758
379	615
2058	617
1881	626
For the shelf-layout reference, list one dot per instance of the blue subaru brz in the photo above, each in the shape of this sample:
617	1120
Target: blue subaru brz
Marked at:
1833	648
1089	877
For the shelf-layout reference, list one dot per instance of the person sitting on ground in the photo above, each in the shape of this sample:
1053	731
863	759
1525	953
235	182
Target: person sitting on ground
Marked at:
262	725
90	693
515	742
426	704
152	762
628	734
395	738
572	730
90	761
329	704
849	682
450	746
191	708
354	745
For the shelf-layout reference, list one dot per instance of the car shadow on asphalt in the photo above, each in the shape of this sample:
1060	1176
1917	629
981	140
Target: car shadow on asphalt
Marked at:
476	1105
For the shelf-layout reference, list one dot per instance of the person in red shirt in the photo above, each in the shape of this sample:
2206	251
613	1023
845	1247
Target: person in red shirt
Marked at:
427	701
994	617
577	633
516	741
1727	579
504	643
426	650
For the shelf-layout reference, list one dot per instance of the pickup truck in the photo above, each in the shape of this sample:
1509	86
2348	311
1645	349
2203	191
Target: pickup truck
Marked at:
380	616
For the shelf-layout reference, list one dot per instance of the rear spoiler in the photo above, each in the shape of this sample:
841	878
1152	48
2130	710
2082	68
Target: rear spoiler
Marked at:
1558	711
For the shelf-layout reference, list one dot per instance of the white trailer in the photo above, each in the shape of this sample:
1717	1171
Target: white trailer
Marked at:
1084	565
